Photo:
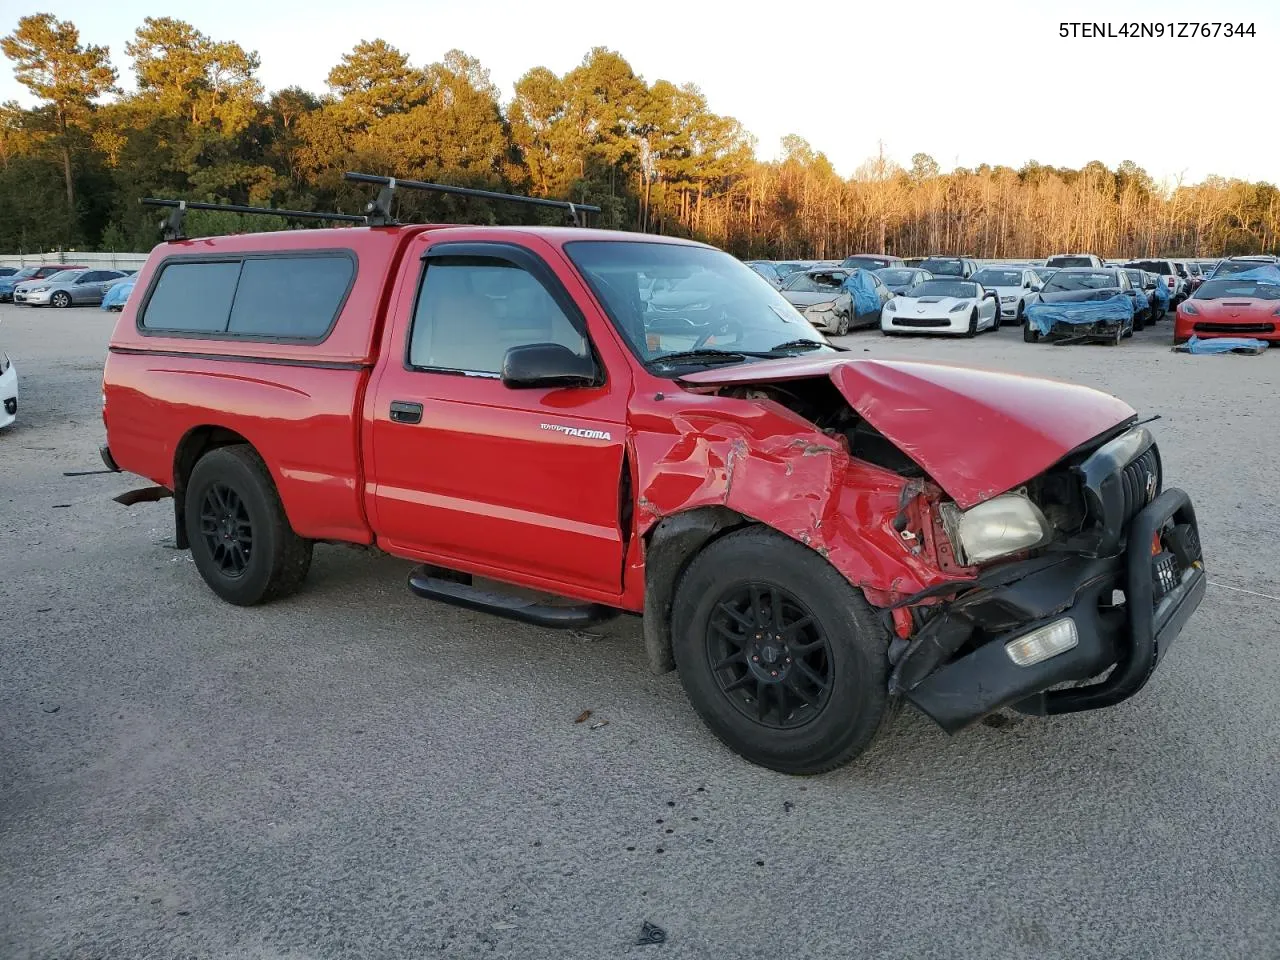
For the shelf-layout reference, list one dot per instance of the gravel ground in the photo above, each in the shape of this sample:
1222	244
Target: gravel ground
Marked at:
358	773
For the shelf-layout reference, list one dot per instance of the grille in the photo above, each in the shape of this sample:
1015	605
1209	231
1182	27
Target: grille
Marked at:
920	322
1138	492
1235	328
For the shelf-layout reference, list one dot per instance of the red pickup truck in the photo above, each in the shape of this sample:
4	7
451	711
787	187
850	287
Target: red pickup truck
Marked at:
810	536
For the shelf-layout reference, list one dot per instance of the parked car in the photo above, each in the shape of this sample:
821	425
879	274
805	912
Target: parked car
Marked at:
1230	307
8	391
769	505
1165	269
769	271
942	305
913	262
1233	265
1084	291
66	288
1145	301
117	294
901	279
871	261
1074	260
7	271
1017	287
1195	276
7	284
822	297
962	267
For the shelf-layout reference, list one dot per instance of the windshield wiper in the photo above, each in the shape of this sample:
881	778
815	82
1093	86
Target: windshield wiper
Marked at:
705	356
800	344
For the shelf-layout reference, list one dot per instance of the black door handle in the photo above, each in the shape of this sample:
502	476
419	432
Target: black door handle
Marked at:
403	412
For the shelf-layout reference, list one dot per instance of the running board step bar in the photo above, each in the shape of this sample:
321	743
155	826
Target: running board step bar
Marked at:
433	583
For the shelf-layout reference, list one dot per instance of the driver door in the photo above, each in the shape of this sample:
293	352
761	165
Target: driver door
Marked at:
516	483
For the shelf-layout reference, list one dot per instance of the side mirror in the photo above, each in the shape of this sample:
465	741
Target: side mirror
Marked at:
546	365
1036	288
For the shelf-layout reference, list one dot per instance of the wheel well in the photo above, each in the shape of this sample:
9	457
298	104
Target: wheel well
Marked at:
669	547
197	442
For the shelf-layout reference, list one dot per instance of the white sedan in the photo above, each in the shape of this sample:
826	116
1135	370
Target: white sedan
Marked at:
942	305
8	391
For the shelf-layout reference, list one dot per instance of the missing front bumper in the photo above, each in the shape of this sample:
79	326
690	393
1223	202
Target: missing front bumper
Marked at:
1128	640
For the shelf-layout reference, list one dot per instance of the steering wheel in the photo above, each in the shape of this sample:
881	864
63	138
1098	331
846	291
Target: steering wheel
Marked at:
725	324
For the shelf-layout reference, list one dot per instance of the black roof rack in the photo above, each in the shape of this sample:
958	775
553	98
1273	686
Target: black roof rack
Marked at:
379	210
172	226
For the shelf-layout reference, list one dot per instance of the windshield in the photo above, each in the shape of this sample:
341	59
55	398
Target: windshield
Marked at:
896	278
815	282
943	288
1069	262
1244	289
62	275
712	302
948	266
871	263
1084	280
998	278
1136	278
1229	267
25	273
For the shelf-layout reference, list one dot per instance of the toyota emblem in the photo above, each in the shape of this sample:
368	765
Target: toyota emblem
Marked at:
1151	487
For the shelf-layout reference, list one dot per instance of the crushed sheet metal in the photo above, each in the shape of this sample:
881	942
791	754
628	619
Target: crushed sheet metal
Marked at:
977	433
780	470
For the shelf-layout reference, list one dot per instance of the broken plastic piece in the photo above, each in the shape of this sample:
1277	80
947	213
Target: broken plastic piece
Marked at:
582	717
599	723
650	933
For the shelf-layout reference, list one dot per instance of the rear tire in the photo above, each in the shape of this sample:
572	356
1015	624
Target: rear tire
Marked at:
240	537
782	658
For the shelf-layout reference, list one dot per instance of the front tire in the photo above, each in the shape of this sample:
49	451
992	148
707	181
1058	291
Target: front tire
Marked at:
241	540
842	325
1030	334
782	658
973	324
61	300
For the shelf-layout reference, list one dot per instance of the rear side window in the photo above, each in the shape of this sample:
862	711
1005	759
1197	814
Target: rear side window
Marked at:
279	298
192	297
1154	266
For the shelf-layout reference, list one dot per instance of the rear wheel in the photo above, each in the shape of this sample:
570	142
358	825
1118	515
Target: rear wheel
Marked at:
241	540
782	658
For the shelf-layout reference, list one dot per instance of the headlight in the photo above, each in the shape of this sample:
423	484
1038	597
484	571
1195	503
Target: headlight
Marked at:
891	306
36	289
826	305
958	307
1189	309
1001	526
1008	299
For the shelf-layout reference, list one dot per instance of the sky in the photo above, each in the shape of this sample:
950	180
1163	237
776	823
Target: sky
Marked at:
968	82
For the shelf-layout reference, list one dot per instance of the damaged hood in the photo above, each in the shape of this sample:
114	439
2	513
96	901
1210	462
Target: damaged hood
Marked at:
977	433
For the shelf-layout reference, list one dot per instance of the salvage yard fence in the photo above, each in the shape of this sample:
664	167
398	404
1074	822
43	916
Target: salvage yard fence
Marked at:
103	261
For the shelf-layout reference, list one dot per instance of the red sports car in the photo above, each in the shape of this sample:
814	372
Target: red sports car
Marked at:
1230	307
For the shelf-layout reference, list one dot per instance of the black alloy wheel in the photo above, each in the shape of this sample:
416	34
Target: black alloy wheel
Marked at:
227	530
769	656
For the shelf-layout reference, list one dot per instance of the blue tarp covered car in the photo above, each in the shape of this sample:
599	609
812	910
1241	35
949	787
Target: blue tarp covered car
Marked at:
863	290
1106	319
117	294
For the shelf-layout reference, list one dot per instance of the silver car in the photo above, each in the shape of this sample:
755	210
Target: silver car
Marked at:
65	288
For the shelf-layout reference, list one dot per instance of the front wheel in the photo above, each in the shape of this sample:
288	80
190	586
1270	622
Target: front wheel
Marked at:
61	299
842	324
779	654
240	537
972	331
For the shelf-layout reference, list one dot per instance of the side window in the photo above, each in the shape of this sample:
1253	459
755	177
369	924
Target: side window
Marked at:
294	298
287	298
471	310
192	297
89	276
